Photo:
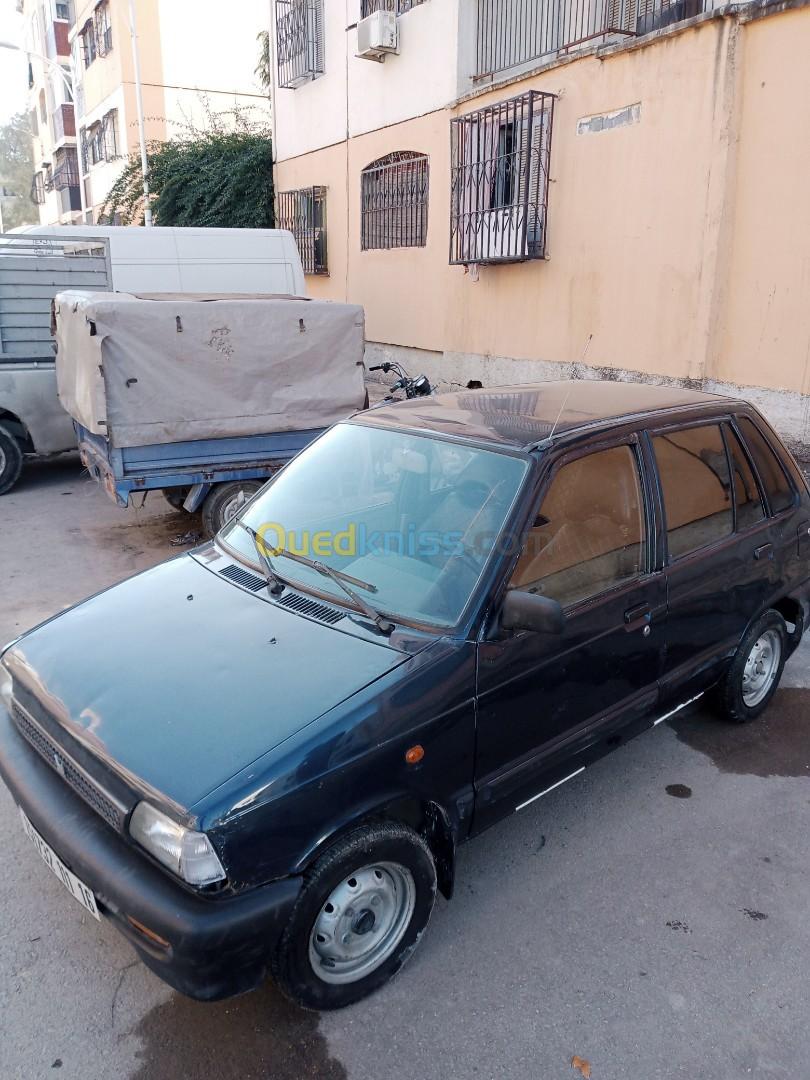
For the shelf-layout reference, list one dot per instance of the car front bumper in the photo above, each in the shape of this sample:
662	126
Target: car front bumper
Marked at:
215	947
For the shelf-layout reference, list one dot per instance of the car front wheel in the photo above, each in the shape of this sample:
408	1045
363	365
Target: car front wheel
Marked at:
755	671
11	460
359	917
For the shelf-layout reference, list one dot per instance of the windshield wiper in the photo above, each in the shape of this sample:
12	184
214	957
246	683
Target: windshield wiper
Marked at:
344	582
275	584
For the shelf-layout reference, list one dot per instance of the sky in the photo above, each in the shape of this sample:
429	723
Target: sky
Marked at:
13	66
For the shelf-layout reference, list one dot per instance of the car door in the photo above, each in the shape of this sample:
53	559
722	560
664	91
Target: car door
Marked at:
545	701
720	568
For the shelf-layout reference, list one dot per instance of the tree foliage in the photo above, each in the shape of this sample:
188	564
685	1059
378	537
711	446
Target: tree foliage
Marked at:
262	69
221	177
16	172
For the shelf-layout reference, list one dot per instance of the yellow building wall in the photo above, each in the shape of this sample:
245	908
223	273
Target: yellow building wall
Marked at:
678	246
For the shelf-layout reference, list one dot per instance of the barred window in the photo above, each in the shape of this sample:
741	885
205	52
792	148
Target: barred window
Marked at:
95	143
303	213
299	41
38	189
109	135
66	173
394	201
368	7
499	180
103	29
87	36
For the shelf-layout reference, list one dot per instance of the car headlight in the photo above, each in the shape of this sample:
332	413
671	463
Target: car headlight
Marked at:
186	853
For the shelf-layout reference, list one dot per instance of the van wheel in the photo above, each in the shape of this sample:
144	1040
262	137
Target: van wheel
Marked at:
11	460
225	501
359	917
752	679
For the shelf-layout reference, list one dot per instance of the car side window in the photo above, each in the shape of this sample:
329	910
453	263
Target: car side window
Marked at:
747	497
696	485
774	478
590	534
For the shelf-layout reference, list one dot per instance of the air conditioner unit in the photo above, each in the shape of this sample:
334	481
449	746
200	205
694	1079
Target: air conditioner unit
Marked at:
377	35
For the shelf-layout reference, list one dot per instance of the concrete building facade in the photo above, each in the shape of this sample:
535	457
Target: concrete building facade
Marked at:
603	188
193	62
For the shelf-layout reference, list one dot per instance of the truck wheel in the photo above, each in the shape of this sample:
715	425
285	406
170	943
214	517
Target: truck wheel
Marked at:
175	497
755	671
11	460
224	501
359	917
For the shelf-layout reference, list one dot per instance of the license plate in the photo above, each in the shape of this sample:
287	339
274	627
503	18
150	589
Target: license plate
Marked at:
74	886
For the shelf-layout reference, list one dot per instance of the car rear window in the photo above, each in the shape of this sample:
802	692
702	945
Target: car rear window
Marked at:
747	497
696	485
774	478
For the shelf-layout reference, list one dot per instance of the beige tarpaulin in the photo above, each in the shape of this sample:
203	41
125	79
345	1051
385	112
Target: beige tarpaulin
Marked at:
171	368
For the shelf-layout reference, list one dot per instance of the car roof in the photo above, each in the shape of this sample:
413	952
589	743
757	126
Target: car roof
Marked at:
523	416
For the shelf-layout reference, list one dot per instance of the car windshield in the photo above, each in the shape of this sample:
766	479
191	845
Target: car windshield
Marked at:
413	516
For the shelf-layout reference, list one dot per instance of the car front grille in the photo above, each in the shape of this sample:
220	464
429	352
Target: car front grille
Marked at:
84	786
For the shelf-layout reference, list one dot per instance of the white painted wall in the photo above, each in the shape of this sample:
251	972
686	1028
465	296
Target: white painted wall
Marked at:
314	114
421	78
104	174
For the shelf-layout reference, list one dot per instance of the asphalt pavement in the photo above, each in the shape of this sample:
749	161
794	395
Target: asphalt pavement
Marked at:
649	918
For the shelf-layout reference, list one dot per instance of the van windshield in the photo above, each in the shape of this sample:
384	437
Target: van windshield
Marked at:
416	517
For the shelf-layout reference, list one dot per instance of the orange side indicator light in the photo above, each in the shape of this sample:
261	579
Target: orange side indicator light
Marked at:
147	933
415	754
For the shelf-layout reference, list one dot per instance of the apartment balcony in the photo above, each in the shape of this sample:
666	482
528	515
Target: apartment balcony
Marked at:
64	123
514	34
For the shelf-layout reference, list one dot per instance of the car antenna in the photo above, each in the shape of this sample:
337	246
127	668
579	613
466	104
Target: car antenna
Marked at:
545	442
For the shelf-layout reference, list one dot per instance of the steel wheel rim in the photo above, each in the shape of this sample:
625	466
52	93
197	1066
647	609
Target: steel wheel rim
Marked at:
761	666
362	922
234	505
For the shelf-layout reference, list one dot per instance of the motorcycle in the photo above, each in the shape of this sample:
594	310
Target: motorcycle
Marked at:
413	387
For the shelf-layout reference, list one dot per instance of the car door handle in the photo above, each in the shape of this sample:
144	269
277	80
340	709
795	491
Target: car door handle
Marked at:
637	616
764	551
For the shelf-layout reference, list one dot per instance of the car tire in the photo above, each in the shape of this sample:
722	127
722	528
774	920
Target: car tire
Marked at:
754	674
11	460
223	502
359	917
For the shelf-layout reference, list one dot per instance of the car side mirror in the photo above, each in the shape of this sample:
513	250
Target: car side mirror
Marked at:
529	611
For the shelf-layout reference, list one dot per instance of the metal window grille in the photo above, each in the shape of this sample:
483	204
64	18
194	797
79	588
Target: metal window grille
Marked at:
299	41
88	43
95	144
303	212
38	189
511	33
66	173
499	180
394	201
368	7
109	135
103	29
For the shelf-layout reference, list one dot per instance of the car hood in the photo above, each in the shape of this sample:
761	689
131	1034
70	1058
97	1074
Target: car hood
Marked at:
178	678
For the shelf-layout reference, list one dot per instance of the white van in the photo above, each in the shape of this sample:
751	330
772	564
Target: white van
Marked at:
38	261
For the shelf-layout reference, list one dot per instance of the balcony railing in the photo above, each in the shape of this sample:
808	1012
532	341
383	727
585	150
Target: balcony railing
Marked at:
514	33
66	175
368	7
64	122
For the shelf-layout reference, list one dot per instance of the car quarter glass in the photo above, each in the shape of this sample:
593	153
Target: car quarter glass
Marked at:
696	485
590	533
749	508
774	478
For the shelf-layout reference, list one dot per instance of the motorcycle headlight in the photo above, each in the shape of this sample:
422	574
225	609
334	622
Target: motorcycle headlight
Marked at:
186	853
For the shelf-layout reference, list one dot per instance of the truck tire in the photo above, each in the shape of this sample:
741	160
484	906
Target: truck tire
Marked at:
223	501
11	460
